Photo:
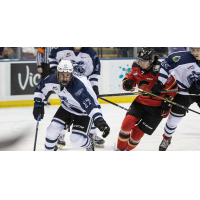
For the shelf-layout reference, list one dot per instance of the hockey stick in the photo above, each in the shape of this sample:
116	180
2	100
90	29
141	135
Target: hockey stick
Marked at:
171	102
137	93
38	119
113	103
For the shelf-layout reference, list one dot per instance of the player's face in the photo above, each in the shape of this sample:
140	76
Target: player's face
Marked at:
196	53
144	64
64	77
77	49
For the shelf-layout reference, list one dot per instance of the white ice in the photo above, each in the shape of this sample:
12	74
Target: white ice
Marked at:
19	121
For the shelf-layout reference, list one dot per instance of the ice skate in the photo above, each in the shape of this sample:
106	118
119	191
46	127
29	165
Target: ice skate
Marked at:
91	147
98	142
165	143
61	142
114	147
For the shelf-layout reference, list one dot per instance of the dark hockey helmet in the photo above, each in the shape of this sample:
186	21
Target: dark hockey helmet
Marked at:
146	54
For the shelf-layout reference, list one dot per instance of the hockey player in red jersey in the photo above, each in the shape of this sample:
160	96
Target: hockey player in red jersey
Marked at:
146	112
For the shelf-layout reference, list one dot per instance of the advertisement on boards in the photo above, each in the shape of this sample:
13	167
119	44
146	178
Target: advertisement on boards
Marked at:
24	78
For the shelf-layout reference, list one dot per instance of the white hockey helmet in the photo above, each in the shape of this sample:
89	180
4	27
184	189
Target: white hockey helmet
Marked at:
64	67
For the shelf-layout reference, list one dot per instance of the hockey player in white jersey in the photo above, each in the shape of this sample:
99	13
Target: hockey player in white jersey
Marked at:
86	63
79	106
186	67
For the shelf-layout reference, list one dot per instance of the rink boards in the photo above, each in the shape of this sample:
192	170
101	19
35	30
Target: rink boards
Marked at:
19	78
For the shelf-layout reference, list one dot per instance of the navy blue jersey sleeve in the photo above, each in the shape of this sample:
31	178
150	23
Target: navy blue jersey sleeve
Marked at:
88	104
172	61
44	86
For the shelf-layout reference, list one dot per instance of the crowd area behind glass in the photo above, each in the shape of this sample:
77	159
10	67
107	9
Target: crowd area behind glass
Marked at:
29	53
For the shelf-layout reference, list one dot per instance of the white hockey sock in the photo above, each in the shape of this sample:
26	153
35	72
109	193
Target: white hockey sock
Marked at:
172	122
52	134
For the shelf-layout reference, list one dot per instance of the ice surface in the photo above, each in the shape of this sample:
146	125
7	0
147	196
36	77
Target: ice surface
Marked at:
16	122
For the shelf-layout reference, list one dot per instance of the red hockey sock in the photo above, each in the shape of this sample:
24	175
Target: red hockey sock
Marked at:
127	125
122	141
136	135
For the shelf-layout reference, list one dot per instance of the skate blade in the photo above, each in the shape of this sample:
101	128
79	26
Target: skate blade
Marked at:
60	146
99	145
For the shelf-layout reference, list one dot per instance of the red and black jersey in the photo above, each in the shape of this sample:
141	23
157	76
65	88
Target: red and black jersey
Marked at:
146	79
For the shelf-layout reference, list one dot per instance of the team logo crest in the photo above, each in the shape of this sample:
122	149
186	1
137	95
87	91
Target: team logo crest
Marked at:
176	58
78	67
65	102
193	77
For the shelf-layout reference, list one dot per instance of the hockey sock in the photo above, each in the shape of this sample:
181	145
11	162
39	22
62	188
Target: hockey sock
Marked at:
50	144
166	137
136	135
127	125
172	122
122	141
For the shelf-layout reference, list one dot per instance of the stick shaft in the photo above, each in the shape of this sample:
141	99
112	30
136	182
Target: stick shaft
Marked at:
173	103
36	133
137	93
113	103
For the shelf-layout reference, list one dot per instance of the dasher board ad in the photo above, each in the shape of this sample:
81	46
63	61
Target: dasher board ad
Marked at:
24	78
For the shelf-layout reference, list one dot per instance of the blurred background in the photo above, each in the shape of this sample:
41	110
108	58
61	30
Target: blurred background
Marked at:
29	53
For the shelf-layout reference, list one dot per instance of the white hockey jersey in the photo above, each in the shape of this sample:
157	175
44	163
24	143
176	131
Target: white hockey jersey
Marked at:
78	98
85	63
185	68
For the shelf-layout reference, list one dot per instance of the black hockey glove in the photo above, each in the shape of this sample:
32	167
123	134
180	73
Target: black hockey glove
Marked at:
157	88
38	110
101	124
96	89
195	88
128	84
52	70
166	106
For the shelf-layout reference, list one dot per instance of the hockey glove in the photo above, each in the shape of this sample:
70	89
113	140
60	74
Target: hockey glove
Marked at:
157	88
52	70
166	107
128	84
195	88
38	110
101	124
96	89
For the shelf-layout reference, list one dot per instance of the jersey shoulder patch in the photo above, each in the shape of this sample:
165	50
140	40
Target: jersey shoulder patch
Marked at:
180	58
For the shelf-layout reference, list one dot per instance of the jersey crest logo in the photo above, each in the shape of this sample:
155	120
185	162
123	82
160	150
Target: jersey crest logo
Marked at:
65	102
78	67
68	55
193	77
176	58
